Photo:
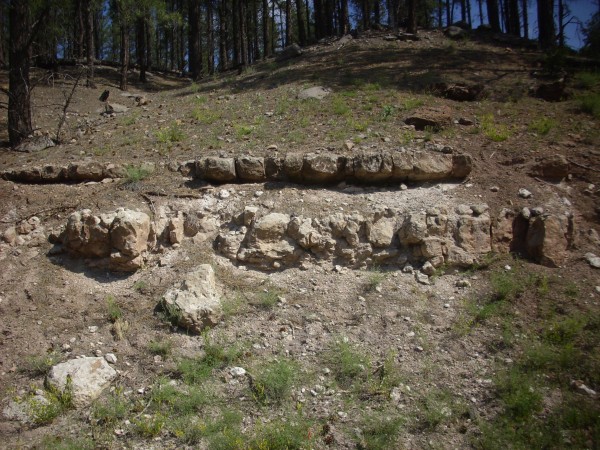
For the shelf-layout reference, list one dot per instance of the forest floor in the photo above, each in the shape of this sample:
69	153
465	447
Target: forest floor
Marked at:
351	358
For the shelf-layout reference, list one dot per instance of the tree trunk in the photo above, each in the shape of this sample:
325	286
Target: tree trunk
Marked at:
194	56
561	27
140	53
344	18
412	16
222	38
308	34
546	23
513	22
89	43
493	14
463	11
210	37
448	13
525	19
301	28
79	29
288	22
480	6
19	101
124	56
265	29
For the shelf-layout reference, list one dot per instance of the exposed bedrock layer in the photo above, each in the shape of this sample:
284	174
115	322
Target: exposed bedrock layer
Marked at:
329	168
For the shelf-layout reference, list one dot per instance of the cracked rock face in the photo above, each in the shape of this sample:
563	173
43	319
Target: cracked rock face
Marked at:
119	240
194	303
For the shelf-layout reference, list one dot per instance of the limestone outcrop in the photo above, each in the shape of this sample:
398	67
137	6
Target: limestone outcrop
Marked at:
330	168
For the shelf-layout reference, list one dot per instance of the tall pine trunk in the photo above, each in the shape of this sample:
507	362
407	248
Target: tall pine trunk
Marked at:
140	33
301	28
493	14
412	16
265	29
89	43
546	23
210	38
194	55
525	19
288	22
19	101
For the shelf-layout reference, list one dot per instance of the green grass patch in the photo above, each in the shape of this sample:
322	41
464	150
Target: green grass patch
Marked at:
161	348
38	365
216	356
348	364
242	131
292	434
494	131
111	410
273	382
170	134
114	311
542	126
590	104
205	116
587	80
410	103
379	431
135	174
339	106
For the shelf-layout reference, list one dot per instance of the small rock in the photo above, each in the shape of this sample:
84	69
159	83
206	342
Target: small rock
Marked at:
403	187
526	213
428	268
524	193
582	388
422	278
507	267
494	189
446	305
223	194
537	211
348	145
478	210
272	147
258	193
410	334
396	394
92	328
237	372
110	358
592	260
463	283
418	349
407	269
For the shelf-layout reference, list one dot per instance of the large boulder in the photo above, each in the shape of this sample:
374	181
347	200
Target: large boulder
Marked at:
372	167
323	168
549	238
118	240
250	169
218	170
194	303
86	378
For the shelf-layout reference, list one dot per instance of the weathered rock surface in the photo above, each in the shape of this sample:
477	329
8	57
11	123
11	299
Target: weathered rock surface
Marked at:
74	172
86	377
553	167
549	238
35	144
119	240
430	118
291	51
329	168
194	302
316	92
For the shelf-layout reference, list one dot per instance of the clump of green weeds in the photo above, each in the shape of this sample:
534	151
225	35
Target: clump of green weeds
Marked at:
273	382
542	126
494	131
135	174
38	365
590	104
205	116
216	356
170	134
111	410
347	363
292	434
161	348
375	279
379	431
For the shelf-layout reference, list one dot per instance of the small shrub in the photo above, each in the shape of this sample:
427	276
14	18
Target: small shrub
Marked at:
376	277
280	435
171	134
205	116
437	407
135	174
587	80
112	410
268	298
387	112
495	132
572	290
347	363
161	348
372	87
273	382
340	107
518	392
149	426
380	431
170	313
411	103
114	310
37	365
542	126
243	130
230	306
140	286
65	443
216	356
590	104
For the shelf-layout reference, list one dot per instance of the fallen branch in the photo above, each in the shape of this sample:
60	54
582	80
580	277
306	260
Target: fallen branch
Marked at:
63	117
583	166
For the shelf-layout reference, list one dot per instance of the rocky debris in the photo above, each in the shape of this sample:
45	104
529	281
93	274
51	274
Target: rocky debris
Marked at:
316	92
580	387
455	32
329	168
549	238
35	144
553	167
28	231
74	172
24	410
118	240
524	193
115	108
555	91
289	52
194	303
593	260
460	93
435	119
85	377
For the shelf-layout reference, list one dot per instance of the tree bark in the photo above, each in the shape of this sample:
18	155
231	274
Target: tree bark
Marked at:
493	14
140	26
79	29
525	19
513	22
288	22
194	56
546	23
265	29
412	16
124	53
301	25
222	38
561	27
19	101
210	37
344	18
89	43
